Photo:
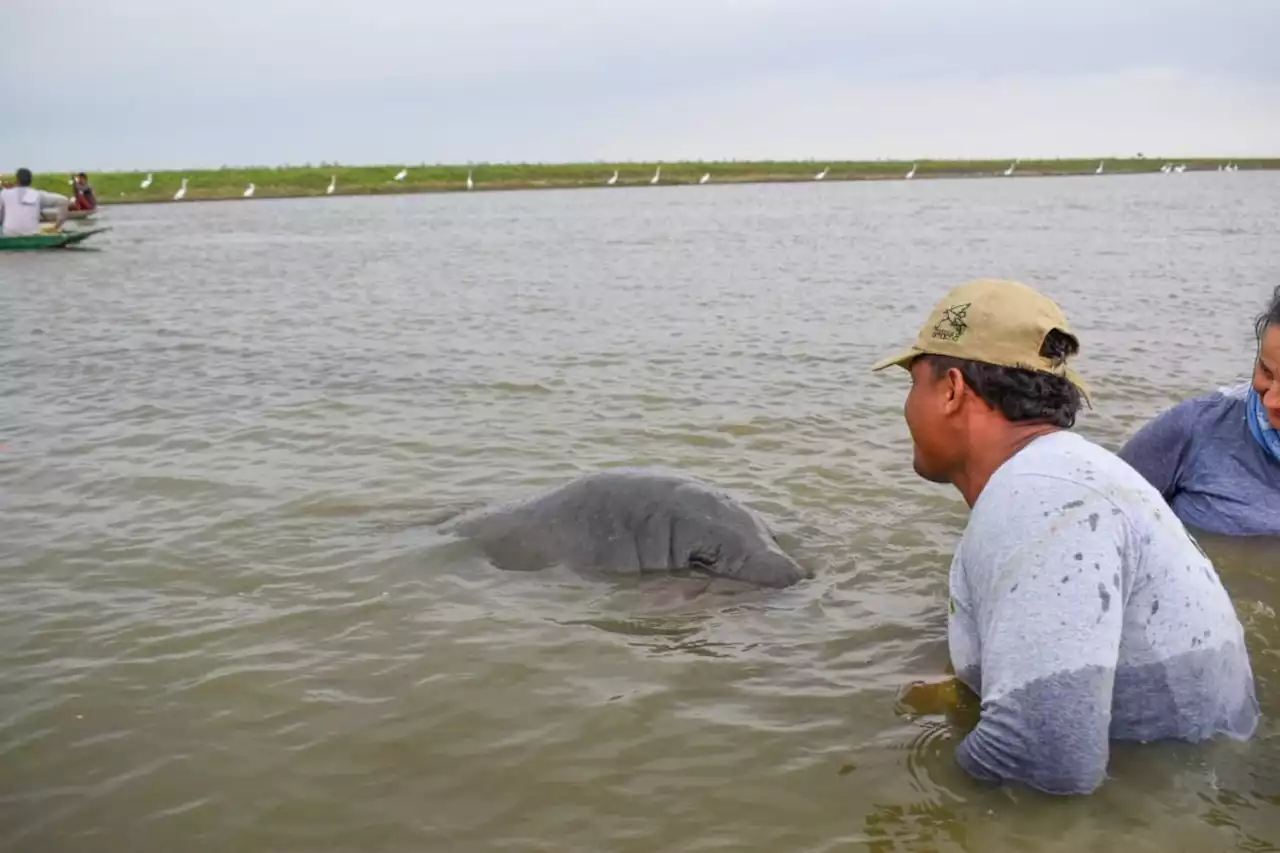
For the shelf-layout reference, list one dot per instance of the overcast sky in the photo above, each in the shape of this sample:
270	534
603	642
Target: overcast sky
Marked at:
152	84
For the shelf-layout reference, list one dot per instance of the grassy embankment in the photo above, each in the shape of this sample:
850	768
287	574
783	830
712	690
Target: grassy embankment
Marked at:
287	181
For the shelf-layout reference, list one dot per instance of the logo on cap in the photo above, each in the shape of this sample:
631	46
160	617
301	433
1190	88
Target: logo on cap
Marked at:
952	324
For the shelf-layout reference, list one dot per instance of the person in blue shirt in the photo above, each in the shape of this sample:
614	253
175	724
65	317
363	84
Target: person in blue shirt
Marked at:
1216	458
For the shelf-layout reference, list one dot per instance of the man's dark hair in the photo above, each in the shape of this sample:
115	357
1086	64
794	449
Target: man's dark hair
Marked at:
1022	395
82	175
1269	317
24	177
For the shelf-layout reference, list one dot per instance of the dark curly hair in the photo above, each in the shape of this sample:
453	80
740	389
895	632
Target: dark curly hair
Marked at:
1023	395
1269	317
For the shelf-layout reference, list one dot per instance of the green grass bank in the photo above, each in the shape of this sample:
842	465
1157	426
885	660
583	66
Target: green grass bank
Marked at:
294	181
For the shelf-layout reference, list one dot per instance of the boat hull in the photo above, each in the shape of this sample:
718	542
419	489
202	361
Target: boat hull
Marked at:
58	240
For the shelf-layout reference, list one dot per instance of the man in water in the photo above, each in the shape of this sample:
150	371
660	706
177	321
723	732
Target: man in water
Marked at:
20	207
1081	610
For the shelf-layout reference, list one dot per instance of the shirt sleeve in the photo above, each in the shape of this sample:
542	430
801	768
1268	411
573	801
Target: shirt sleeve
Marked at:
1045	574
1160	448
48	199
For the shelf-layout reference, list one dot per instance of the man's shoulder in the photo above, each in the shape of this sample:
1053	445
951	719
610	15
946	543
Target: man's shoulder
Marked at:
1072	479
1056	475
1067	456
1063	476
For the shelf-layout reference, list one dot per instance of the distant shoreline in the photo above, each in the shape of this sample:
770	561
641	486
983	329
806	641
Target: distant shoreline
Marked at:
307	181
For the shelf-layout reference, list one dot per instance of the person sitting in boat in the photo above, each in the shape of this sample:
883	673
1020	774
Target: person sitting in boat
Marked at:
84	197
20	207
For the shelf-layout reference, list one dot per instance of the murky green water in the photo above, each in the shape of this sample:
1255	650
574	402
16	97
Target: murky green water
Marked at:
226	622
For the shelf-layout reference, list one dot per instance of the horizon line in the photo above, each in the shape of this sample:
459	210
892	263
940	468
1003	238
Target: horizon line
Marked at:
422	164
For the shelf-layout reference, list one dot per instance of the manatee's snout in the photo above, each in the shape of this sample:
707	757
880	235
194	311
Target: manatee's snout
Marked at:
773	569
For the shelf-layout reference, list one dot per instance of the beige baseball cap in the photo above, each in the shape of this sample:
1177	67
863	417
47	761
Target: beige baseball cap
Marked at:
994	321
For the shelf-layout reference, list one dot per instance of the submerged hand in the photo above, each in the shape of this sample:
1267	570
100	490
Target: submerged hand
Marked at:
950	697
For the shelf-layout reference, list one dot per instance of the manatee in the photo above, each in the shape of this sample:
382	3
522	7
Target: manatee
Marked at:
631	521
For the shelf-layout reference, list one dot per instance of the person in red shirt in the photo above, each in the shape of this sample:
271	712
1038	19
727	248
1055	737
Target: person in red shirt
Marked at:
84	197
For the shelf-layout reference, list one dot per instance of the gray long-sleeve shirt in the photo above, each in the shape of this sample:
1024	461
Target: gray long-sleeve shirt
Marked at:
1201	456
1082	611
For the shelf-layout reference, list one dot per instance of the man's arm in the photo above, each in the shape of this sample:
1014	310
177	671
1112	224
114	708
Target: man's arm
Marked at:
1046	575
1160	448
57	202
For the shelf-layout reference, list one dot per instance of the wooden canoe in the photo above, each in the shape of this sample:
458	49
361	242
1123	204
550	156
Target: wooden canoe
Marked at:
56	240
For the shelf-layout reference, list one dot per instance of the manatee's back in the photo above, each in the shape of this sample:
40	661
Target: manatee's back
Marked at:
615	520
609	521
509	534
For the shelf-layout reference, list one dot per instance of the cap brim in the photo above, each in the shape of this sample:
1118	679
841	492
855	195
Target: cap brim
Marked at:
902	359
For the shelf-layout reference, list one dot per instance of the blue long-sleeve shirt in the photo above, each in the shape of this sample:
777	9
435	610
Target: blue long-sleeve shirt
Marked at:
1082	611
1202	458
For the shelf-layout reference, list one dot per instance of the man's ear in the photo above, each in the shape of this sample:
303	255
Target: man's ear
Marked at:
953	390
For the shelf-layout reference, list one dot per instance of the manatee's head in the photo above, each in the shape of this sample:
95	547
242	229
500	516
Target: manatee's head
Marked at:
713	533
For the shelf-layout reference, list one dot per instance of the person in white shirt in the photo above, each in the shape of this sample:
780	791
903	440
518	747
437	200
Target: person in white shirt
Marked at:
20	207
1081	610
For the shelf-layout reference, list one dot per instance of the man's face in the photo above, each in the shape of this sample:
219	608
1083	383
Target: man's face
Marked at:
1266	374
926	413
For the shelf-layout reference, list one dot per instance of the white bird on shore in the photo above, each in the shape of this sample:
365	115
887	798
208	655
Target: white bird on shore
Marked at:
912	173
333	184
146	182
1166	168
1009	171
248	191
822	174
1180	168
614	179
1098	171
400	176
470	183
705	178
182	191
656	175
